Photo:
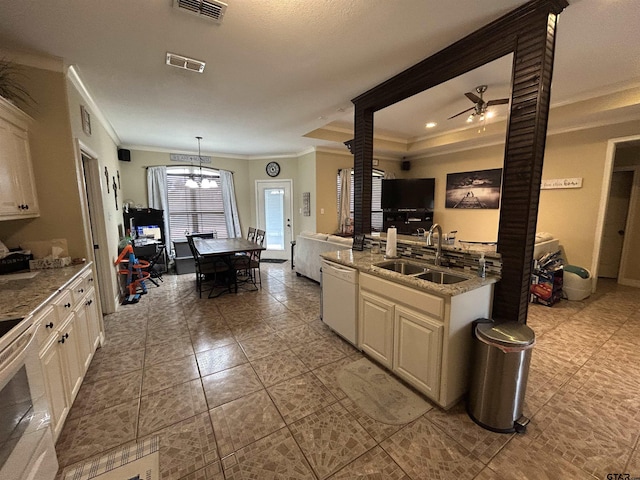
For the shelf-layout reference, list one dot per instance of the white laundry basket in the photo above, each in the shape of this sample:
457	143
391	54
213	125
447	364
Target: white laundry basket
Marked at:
576	283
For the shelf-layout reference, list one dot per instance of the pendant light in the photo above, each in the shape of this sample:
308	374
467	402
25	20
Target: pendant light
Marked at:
191	183
204	182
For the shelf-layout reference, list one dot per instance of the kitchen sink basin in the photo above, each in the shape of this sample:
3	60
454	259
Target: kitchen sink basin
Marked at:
442	278
400	266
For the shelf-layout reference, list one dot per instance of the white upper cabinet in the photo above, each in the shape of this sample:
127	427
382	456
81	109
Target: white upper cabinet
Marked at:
18	198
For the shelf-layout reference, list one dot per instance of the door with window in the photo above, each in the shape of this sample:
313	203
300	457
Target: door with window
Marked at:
274	209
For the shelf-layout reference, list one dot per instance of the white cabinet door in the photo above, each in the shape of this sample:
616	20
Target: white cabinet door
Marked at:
70	339
376	327
18	197
54	380
418	350
85	351
93	319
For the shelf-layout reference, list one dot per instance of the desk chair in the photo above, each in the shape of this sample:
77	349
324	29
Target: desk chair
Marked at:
155	274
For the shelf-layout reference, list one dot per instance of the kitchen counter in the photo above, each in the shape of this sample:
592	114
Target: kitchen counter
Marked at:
20	298
364	262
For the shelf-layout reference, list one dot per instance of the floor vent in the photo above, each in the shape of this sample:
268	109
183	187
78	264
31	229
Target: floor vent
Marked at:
186	63
204	8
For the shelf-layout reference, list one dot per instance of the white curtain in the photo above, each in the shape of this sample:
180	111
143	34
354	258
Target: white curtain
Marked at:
345	198
157	196
230	206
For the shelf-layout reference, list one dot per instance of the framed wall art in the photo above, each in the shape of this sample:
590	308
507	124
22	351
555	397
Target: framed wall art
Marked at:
86	120
474	190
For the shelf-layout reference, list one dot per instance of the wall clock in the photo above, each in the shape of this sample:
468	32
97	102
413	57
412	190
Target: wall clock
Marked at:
273	169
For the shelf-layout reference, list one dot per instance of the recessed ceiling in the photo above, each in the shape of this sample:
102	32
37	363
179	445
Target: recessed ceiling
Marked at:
279	70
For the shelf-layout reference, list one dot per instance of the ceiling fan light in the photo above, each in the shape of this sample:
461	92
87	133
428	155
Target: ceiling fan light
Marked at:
431	125
490	114
191	183
470	119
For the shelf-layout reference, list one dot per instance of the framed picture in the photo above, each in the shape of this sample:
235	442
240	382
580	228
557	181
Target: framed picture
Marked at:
306	204
86	120
358	242
474	190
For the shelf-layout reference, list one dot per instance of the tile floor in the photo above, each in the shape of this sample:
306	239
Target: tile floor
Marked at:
243	387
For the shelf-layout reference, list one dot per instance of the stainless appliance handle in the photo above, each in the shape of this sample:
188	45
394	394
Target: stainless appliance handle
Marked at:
12	357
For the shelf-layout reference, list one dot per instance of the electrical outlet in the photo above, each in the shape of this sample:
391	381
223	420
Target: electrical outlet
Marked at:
322	211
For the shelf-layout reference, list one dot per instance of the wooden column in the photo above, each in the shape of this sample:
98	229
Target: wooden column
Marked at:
362	170
529	33
522	174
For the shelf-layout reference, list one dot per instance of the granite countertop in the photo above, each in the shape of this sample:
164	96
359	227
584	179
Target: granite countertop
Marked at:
20	298
364	262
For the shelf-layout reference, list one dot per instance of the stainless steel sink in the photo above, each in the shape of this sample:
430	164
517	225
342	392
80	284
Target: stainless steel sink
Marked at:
442	278
401	266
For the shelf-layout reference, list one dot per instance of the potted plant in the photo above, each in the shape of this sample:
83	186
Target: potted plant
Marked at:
10	87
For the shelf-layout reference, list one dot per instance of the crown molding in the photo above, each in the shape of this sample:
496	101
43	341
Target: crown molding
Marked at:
74	77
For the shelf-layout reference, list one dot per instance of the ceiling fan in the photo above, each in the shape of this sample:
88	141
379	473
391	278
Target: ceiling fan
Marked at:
480	107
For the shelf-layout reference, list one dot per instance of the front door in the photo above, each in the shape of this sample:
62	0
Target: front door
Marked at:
274	209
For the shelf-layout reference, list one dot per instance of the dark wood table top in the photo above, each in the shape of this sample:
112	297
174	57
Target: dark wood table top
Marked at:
224	246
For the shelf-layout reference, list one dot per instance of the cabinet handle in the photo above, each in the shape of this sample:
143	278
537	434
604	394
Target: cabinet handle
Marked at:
49	325
26	207
67	305
81	290
91	279
63	338
89	302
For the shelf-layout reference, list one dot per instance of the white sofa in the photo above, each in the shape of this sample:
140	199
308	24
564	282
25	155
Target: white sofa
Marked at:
309	246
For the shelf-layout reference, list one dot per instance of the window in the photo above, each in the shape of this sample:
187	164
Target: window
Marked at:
194	209
376	194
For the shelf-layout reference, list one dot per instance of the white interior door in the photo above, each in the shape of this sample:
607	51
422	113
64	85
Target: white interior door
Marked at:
274	209
615	224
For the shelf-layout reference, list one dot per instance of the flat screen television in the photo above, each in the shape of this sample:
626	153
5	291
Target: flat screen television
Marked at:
407	194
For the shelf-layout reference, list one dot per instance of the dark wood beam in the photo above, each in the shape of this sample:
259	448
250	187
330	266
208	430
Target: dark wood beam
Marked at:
529	33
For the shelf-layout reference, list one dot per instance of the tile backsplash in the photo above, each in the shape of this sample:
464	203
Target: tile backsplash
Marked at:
451	256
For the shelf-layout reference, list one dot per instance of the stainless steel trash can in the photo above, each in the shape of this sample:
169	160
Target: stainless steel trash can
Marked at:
501	358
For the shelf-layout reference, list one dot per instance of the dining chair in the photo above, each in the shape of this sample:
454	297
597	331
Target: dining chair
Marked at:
207	268
251	234
254	263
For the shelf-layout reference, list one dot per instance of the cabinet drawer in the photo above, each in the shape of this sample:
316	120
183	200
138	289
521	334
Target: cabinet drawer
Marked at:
88	280
64	304
47	322
78	289
418	299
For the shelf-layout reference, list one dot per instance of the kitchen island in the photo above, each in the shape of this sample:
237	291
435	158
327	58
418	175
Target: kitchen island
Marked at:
418	329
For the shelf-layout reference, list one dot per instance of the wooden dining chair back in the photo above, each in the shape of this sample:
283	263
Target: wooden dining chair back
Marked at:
255	258
251	234
208	269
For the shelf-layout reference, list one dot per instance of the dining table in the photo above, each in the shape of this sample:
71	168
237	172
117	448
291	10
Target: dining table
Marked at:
226	248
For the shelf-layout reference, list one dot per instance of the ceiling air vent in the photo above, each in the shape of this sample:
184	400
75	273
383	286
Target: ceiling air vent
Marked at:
210	9
184	62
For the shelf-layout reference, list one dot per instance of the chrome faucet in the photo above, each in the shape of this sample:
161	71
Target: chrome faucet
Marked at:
437	227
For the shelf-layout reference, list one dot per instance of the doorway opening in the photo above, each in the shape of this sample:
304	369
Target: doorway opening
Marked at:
619	218
95	227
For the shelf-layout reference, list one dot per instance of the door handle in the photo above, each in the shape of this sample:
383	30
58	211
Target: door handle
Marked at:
620	232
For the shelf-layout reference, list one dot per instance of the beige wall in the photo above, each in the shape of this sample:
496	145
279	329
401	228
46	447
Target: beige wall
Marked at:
100	144
134	175
306	182
569	214
52	152
474	225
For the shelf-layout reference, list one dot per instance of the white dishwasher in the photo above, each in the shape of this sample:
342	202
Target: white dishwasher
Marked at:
340	299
